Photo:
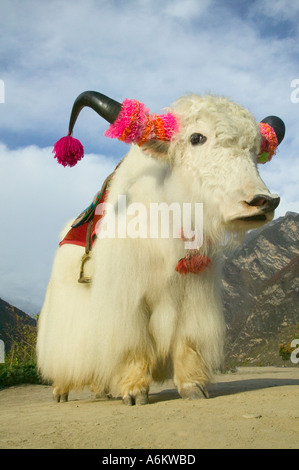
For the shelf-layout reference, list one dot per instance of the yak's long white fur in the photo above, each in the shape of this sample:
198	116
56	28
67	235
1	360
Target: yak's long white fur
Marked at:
139	319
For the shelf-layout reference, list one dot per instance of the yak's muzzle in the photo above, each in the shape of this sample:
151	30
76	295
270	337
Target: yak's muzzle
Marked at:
264	202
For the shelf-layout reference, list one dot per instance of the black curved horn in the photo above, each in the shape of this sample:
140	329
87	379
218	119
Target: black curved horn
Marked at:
278	125
103	105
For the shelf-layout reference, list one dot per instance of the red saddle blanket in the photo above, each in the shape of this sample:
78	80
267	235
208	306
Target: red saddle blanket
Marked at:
79	233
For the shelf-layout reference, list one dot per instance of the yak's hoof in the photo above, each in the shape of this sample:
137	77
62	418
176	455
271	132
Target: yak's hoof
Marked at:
129	400
139	399
61	398
194	392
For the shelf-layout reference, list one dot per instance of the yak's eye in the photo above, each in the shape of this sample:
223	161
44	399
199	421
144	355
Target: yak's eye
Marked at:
196	139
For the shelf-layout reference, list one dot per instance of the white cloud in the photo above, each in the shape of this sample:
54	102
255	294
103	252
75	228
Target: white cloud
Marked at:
186	10
278	10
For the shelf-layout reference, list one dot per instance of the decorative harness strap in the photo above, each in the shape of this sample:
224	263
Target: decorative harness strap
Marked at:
83	229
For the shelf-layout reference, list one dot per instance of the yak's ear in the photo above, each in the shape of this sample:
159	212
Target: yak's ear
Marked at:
156	148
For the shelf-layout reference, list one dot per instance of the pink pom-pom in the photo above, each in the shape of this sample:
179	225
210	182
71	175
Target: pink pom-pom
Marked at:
134	124
68	151
269	143
130	122
171	125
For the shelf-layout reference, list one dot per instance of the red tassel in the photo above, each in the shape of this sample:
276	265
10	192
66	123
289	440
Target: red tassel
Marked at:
68	151
192	263
181	267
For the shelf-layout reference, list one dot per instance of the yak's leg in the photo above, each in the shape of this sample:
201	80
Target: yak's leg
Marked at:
134	382
60	394
100	393
191	375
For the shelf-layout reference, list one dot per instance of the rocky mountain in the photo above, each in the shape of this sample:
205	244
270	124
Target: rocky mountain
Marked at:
261	293
14	324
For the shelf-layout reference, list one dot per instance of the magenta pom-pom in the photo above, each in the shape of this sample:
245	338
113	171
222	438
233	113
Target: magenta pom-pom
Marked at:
68	151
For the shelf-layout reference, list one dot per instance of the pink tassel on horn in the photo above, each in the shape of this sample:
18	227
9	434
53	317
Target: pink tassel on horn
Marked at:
68	151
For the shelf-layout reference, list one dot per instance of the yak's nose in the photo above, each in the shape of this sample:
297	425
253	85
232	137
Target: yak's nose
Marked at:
264	202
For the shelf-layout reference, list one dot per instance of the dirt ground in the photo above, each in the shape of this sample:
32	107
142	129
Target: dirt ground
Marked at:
253	408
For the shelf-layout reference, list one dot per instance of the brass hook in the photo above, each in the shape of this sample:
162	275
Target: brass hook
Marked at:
82	278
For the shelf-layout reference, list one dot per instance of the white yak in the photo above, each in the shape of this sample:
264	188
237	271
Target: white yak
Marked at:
142	318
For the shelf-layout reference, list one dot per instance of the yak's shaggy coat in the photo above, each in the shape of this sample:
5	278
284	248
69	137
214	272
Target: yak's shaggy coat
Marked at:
139	320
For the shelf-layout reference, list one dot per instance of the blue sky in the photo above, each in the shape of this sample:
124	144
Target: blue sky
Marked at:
151	50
